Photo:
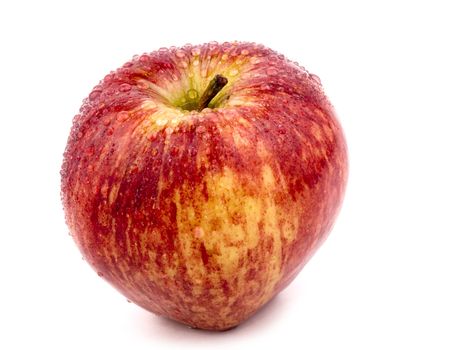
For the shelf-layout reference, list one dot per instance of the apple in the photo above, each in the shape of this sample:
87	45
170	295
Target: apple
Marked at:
199	180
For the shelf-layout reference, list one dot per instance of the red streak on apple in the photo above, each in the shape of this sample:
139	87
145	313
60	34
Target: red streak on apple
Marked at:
203	216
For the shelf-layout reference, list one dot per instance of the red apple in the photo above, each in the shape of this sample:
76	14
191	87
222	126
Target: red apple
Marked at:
199	180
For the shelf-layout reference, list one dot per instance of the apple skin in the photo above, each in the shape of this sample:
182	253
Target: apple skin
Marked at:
203	217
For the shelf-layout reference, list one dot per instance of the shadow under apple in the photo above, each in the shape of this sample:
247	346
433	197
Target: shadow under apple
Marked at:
264	318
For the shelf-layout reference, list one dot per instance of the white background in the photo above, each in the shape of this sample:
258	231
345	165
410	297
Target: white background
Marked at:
392	275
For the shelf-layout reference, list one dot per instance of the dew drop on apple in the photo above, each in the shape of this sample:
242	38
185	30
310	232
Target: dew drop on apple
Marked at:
124	87
192	94
271	71
254	60
198	232
195	63
224	57
143	85
195	51
233	72
315	78
144	58
245	52
109	77
122	116
94	95
180	54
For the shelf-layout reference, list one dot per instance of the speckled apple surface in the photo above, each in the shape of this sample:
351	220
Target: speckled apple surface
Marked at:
203	216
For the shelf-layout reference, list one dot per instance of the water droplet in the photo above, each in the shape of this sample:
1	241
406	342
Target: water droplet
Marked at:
144	58
271	71
184	64
315	78
122	116
233	72
255	60
180	54
106	122
124	87
79	135
95	94
195	63
224	57
198	232
142	84
201	129
245	52
192	94
169	130
109	77
195	51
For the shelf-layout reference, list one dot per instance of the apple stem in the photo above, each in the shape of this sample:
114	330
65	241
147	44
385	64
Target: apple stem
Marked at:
215	85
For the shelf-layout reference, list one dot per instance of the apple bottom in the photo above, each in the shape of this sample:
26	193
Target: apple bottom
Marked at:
211	255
